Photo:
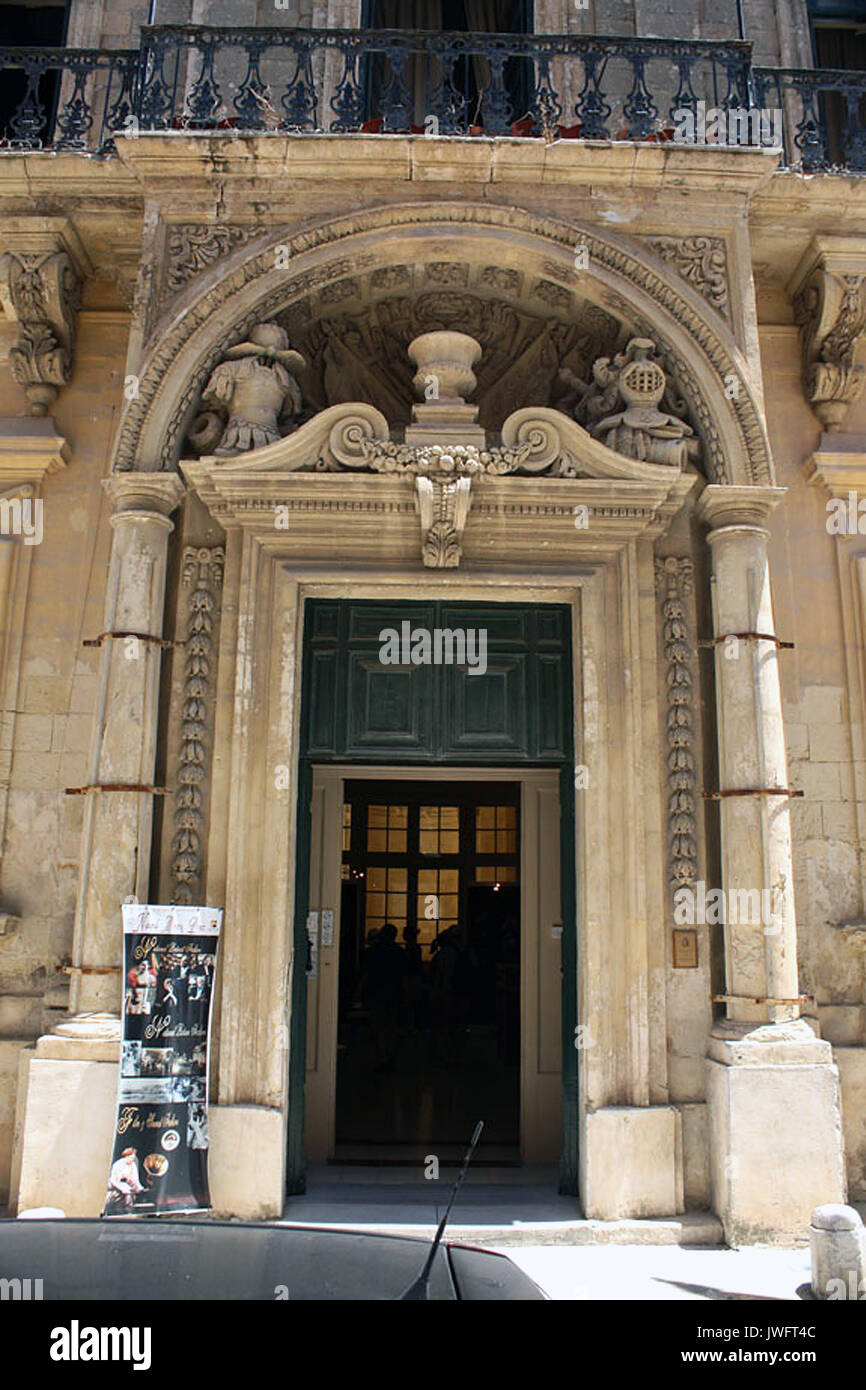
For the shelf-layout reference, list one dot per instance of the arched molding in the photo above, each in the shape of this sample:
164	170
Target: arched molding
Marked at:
623	278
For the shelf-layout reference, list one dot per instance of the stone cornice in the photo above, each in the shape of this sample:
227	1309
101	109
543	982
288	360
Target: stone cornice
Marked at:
30	448
839	464
176	165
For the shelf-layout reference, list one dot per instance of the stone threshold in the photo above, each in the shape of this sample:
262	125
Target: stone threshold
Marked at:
691	1229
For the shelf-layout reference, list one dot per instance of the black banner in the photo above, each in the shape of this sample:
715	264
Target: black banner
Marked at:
159	1162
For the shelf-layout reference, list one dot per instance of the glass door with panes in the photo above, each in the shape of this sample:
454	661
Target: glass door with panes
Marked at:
429	987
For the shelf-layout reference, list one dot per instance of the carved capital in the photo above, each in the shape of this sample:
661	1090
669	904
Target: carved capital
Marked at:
721	505
41	291
828	292
134	493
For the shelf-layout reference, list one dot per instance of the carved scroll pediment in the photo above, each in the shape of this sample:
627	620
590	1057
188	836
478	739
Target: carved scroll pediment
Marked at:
444	450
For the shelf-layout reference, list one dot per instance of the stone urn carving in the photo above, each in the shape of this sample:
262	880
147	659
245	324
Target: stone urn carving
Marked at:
444	360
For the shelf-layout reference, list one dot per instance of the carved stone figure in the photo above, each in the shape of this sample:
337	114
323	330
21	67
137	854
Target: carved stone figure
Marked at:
254	386
641	431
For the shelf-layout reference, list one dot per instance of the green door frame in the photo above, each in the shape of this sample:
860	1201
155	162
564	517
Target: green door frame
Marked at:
295	1152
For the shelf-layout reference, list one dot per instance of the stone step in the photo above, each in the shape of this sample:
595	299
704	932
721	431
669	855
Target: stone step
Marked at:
484	1227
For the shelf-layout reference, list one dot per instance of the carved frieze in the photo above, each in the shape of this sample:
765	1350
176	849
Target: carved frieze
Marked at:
702	262
674	584
202	577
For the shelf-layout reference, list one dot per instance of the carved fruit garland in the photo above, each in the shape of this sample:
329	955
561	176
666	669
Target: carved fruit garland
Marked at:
203	569
674	579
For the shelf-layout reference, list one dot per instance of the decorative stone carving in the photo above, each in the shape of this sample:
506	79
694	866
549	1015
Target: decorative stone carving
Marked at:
498	278
831	312
447	273
465	460
674	582
192	247
640	431
443	507
700	260
203	573
828	292
551	294
391	277
41	292
254	386
146	433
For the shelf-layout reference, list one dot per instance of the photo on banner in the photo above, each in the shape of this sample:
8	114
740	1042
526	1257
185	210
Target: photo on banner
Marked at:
159	1163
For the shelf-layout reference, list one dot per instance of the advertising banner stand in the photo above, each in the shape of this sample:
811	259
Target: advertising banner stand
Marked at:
159	1163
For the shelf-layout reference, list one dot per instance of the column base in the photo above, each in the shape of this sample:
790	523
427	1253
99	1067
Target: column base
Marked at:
633	1164
776	1147
247	1163
65	1122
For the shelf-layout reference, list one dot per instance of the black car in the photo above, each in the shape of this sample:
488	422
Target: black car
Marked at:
170	1259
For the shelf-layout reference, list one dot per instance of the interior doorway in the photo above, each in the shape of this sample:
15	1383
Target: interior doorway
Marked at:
429	970
396	1066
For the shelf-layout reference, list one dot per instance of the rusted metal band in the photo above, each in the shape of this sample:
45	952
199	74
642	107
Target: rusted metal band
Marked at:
92	969
760	999
117	787
744	636
751	791
139	636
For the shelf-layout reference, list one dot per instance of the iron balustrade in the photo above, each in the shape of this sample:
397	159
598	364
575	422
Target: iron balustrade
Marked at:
238	80
826	114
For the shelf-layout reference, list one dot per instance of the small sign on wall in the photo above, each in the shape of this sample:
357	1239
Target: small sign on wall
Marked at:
685	948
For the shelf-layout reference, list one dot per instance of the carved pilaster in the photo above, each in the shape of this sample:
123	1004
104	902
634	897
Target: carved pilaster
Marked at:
674	584
41	274
828	292
202	574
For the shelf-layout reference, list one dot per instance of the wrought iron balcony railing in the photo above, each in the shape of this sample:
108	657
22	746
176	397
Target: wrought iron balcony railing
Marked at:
394	81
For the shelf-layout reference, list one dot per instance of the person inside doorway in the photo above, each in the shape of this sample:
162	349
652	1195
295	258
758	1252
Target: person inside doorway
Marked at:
386	967
414	979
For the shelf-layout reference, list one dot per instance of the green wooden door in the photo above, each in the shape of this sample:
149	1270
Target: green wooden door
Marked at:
357	708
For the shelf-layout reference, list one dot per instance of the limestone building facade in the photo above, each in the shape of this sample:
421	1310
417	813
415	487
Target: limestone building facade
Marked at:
324	319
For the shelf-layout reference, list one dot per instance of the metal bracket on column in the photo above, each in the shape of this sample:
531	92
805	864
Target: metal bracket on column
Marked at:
760	999
140	636
117	787
743	636
751	791
92	969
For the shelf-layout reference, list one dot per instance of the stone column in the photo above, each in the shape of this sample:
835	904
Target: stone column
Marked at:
775	1129
66	1118
116	835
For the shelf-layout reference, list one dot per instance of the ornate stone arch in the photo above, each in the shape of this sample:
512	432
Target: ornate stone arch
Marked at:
623	278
